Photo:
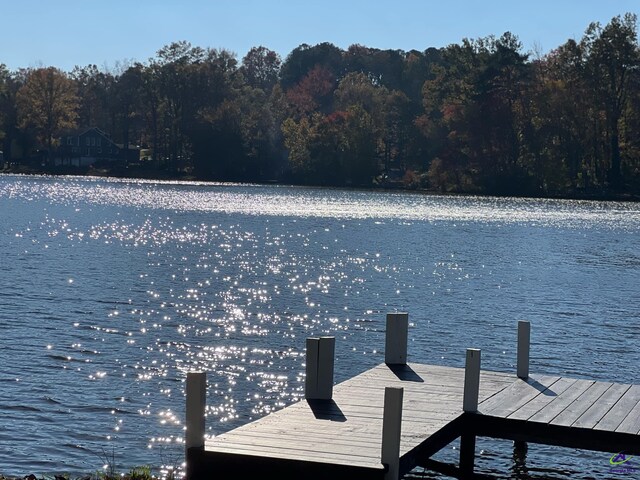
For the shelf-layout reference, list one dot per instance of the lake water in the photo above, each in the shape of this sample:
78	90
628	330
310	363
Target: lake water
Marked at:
111	290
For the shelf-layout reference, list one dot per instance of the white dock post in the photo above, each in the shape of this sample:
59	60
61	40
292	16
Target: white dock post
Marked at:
391	430
471	380
395	350
311	380
326	355
196	402
524	342
320	363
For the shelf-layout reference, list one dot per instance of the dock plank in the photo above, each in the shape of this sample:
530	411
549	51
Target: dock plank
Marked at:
529	409
559	403
305	435
516	395
285	443
581	404
274	452
612	420
598	409
631	423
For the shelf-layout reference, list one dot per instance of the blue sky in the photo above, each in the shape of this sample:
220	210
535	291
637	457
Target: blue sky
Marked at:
65	33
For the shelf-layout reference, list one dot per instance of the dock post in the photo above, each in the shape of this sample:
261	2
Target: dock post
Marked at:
395	350
467	454
471	380
524	342
319	370
470	405
326	355
311	380
195	421
391	430
520	449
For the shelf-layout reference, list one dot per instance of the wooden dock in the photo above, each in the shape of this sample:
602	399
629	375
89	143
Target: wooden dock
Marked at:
358	433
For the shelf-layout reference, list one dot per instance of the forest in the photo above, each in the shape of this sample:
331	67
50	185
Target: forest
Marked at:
482	116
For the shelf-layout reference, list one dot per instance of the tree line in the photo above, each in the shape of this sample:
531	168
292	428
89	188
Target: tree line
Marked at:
481	116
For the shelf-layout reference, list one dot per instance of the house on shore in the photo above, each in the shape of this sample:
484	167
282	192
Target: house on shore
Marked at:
92	145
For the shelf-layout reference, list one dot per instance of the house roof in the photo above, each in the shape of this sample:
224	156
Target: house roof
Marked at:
81	133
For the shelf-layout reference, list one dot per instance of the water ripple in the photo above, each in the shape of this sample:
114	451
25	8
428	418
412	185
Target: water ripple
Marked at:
113	290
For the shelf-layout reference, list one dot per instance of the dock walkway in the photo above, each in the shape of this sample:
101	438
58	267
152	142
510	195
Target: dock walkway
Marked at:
342	436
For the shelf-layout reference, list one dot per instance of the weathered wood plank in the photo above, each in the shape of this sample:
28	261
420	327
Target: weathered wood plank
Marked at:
341	413
601	406
559	403
372	393
411	429
358	393
354	424
529	409
410	376
351	429
272	452
351	439
581	404
295	446
516	395
612	420
444	370
631	423
422	373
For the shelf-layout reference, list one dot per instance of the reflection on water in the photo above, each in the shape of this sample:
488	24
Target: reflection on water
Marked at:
111	290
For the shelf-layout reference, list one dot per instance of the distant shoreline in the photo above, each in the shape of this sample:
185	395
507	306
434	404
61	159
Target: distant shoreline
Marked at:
158	175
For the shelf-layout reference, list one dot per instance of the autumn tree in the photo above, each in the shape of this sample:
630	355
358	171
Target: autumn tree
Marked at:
334	149
214	114
127	106
356	88
261	67
314	93
48	103
447	98
359	155
297	139
4	90
94	89
559	119
174	68
391	113
305	58
612	56
495	117
150	102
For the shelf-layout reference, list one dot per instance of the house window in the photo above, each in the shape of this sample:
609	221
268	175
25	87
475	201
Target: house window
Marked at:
69	141
93	141
98	141
88	141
